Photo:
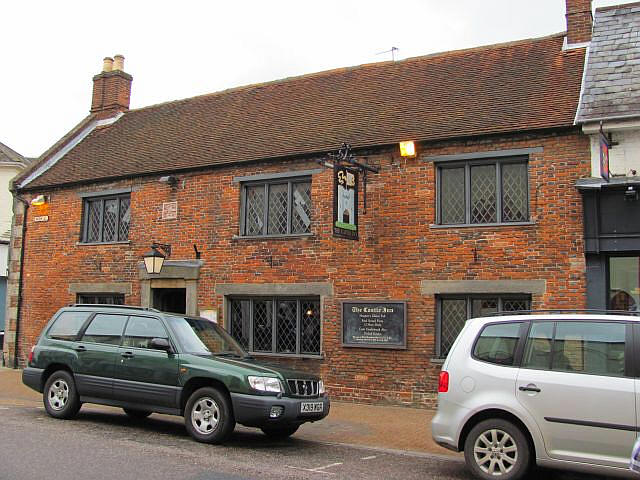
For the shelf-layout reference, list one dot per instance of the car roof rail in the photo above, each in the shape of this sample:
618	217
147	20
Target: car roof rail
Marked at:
594	311
104	305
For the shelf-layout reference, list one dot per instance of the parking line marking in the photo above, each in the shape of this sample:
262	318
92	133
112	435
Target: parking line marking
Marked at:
369	458
318	469
4	408
310	470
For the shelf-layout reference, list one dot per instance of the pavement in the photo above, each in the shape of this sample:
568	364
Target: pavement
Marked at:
384	427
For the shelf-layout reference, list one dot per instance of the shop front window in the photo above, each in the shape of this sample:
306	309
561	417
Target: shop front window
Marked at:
624	283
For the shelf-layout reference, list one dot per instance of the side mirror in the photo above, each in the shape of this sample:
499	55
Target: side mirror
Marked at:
160	344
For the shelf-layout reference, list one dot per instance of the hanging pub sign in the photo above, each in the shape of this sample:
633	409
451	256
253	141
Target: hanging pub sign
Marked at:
604	155
345	203
374	324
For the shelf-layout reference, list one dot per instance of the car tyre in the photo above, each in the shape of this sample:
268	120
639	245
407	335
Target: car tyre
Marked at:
497	449
136	414
279	433
208	416
60	397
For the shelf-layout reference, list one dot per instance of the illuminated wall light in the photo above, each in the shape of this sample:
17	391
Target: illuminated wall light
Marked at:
408	149
39	200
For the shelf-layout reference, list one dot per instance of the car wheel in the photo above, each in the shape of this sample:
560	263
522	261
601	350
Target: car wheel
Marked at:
137	414
208	415
497	449
280	432
60	396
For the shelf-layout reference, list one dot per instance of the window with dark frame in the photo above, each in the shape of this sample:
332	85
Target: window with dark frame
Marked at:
106	219
101	298
454	310
277	207
284	326
483	192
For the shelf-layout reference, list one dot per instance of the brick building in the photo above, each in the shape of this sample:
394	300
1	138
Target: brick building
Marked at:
483	217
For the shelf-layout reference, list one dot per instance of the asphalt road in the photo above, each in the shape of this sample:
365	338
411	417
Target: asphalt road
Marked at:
103	443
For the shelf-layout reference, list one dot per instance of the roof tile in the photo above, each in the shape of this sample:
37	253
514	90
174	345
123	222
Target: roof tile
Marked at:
523	85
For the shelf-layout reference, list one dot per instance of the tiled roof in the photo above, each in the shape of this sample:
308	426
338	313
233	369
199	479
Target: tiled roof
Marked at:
11	157
612	80
525	85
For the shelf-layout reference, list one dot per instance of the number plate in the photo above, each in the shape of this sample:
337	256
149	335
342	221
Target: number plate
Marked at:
311	407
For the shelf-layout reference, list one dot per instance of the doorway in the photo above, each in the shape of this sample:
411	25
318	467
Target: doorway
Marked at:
172	300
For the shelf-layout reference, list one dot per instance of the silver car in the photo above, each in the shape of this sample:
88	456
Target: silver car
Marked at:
561	391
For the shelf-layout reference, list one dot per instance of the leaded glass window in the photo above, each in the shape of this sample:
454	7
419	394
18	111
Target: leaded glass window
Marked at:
285	326
455	310
279	207
483	192
106	219
101	298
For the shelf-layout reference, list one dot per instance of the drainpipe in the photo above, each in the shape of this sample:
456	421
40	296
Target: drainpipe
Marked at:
24	232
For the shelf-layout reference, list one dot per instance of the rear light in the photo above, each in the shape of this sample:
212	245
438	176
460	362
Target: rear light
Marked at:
443	382
30	359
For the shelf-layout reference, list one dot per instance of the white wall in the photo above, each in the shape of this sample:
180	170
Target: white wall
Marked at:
4	259
7	172
623	157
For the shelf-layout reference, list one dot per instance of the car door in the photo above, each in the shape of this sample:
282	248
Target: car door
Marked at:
575	381
144	375
96	355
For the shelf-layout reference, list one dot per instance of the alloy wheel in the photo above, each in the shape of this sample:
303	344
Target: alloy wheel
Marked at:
58	394
205	415
495	452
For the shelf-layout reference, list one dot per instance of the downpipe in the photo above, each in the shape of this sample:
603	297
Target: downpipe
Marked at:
16	343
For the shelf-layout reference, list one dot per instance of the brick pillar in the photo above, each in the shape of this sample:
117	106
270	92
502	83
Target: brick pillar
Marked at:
579	21
13	282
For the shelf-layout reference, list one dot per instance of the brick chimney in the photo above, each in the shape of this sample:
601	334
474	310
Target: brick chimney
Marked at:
111	88
579	21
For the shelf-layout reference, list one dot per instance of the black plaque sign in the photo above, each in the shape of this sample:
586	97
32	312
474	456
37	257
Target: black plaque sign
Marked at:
374	324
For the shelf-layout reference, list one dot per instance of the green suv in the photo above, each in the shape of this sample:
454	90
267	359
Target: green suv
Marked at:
148	361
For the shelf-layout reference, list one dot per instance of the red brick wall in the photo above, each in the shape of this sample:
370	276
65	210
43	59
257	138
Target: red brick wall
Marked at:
397	249
579	21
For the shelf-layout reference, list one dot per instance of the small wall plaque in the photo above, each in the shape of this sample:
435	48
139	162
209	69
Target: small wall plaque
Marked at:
170	210
41	218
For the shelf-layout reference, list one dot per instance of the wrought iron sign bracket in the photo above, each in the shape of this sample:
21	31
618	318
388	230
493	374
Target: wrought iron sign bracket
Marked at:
345	156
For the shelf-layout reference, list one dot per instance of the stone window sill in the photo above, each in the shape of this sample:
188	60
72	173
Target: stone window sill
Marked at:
274	237
481	225
89	244
437	361
287	355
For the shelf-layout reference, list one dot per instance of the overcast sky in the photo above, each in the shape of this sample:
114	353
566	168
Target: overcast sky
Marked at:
50	50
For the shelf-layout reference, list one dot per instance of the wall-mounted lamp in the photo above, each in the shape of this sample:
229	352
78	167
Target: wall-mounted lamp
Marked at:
153	259
631	194
171	180
40	200
408	149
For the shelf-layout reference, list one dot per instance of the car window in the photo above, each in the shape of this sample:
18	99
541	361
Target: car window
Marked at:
537	352
141	330
590	347
497	343
105	328
67	325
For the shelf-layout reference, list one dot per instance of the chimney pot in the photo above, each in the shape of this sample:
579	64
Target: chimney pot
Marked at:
118	63
107	64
